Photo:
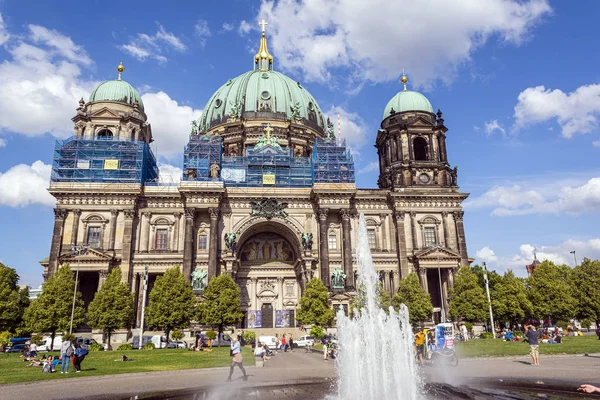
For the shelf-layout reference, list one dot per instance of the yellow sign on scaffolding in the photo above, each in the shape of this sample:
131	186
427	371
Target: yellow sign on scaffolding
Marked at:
268	179
111	164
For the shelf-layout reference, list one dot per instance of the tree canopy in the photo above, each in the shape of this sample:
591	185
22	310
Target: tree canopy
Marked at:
411	293
51	311
585	278
467	298
13	300
509	299
551	293
221	304
112	307
172	302
314	305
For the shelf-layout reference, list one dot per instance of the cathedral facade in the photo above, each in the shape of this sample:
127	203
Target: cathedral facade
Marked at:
267	196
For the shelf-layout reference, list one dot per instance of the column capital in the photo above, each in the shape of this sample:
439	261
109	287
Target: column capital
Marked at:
444	214
345	214
177	214
413	214
114	212
190	213
395	273
77	212
399	215
458	215
254	279
147	214
279	279
129	213
382	216
213	212
60	213
103	274
323	214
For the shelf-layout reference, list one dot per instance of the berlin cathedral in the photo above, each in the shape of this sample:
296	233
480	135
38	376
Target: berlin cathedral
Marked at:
267	196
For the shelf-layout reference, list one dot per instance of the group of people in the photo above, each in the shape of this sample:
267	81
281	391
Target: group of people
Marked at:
74	352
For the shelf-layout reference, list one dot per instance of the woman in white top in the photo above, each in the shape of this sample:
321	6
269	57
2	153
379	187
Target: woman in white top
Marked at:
236	352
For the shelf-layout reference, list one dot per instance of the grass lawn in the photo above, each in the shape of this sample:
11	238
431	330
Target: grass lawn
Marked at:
15	370
499	348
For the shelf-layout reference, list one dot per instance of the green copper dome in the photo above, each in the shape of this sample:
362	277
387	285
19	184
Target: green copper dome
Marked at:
258	93
117	90
407	100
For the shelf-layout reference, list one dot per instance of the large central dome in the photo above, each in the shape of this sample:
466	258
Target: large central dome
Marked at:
262	94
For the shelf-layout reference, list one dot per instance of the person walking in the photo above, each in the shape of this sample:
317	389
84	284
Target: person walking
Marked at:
80	353
420	343
291	343
534	345
236	352
66	351
284	343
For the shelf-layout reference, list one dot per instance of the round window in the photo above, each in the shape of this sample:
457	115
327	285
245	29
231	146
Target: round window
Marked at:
265	95
218	103
265	75
424	178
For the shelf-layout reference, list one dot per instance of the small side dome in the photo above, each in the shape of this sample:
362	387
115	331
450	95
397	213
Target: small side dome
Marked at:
407	100
117	90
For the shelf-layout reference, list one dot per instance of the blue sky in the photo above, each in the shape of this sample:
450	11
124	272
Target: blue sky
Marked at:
517	81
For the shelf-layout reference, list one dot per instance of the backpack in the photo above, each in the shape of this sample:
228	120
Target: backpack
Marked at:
70	351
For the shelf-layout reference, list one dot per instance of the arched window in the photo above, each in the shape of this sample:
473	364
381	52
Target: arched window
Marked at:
420	149
104	133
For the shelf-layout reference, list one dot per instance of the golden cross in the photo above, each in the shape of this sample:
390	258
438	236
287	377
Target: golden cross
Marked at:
263	23
268	129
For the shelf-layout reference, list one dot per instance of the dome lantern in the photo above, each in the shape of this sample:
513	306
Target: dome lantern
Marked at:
117	90
407	100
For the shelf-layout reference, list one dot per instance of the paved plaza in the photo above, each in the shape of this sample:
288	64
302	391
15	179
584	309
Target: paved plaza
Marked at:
300	367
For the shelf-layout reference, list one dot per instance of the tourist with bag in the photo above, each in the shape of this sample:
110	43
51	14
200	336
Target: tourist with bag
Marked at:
66	351
236	353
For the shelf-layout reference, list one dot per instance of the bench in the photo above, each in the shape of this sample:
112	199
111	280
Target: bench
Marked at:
258	362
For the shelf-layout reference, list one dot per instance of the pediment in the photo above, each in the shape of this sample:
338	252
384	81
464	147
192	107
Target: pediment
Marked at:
419	121
105	112
437	252
91	255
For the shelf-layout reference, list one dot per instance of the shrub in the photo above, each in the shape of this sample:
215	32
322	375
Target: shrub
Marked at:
249	336
177	335
317	332
125	346
469	326
95	347
5	339
487	335
562	324
149	346
212	335
586	323
37	339
518	333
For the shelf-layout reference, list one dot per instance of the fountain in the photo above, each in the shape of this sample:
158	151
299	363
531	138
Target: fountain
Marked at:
376	358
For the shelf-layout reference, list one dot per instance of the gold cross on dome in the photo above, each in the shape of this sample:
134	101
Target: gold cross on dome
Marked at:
268	129
263	23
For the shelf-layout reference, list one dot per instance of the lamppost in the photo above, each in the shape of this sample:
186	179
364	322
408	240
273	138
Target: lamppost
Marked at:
443	312
77	249
487	290
574	256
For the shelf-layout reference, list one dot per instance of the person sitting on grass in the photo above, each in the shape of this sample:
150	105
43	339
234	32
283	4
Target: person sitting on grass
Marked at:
55	363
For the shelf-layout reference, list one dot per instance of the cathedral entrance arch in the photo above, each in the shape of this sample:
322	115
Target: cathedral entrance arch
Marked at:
269	275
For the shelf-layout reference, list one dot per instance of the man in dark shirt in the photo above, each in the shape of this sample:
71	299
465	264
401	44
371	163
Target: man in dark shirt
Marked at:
534	345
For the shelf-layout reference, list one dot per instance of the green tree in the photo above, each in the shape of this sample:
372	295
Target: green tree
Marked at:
418	302
112	307
177	334
172	302
317	332
51	311
221	304
314	305
13	300
493	276
467	298
509	299
550	292
585	278
384	300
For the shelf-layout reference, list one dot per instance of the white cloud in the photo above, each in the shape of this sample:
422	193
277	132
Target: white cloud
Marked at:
2	143
202	31
169	173
3	33
144	46
493	126
550	198
486	254
376	39
596	143
227	27
244	28
575	112
170	122
370	167
24	185
353	127
41	83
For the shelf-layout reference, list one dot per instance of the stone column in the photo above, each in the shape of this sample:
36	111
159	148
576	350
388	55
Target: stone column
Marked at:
347	249
139	294
399	146
396	282
445	228
214	243
254	300
145	234
460	236
75	229
386	281
60	214
445	292
323	246
413	227
188	247
384	245
280	295
401	244
114	214
177	216
101	278
126	265
423	279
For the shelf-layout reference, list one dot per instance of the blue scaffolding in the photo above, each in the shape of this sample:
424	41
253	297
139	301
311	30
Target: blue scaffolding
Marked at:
199	154
333	162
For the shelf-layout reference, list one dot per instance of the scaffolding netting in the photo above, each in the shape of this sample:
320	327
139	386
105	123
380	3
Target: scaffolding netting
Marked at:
103	159
199	154
333	162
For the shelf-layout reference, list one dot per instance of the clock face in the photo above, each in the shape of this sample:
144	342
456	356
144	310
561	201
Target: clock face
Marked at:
424	178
